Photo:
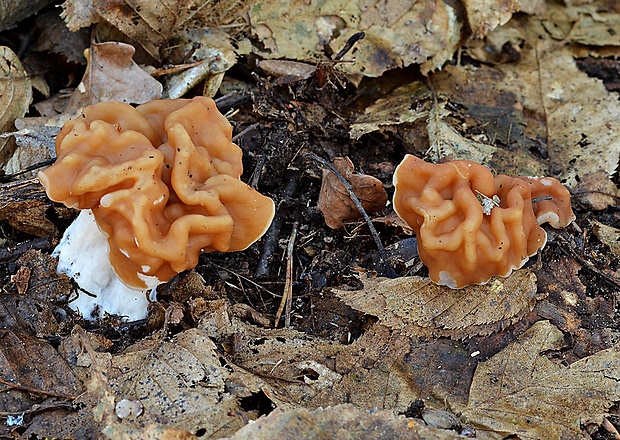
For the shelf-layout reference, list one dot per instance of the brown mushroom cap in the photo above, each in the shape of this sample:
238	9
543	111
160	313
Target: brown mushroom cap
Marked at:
163	183
460	242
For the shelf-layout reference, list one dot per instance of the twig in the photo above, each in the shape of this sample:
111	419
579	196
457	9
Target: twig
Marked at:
40	243
349	44
611	428
287	297
568	250
245	130
273	233
255	284
18	387
387	268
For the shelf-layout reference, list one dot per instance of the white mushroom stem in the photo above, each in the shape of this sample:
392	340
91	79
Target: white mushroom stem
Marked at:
83	255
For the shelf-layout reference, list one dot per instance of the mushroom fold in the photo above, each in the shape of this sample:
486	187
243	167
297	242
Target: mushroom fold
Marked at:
472	225
163	182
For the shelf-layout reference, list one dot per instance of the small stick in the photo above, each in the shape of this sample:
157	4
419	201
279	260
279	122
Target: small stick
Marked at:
273	233
287	297
349	44
13	386
389	271
611	428
40	243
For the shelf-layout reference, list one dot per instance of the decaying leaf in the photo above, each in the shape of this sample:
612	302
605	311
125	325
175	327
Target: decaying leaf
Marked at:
179	384
397	33
15	97
215	54
484	17
23	204
403	105
38	293
31	366
334	200
522	392
151	24
596	191
578	114
583	24
341	422
417	306
111	75
446	143
608	235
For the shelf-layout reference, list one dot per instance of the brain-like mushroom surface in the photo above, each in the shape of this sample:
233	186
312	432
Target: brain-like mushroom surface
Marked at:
163	182
472	225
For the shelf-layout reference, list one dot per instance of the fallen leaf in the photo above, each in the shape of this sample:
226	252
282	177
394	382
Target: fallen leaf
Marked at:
111	75
484	17
596	191
521	392
406	104
180	384
151	24
215	54
15	97
608	235
417	306
334	200
398	34
585	24
446	143
577	111
54	36
23	204
13	11
38	307
32	367
341	421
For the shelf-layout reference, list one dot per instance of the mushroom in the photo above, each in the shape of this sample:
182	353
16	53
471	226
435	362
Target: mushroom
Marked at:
162	182
472	225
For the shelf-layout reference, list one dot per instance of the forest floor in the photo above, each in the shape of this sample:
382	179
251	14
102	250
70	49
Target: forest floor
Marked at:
320	331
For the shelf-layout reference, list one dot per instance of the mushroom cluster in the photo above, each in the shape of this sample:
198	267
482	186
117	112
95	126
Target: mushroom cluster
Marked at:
472	225
163	183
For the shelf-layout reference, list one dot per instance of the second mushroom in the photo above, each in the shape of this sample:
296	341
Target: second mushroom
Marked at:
472	225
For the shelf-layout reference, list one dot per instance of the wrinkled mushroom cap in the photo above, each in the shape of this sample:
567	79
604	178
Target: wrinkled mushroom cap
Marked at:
163	183
460	242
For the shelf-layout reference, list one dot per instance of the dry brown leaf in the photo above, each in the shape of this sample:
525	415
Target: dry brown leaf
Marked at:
417	306
334	200
596	191
32	367
398	34
180	384
477	98
15	97
111	75
521	392
583	24
484	16
382	368
446	143
54	36
608	235
403	105
13	11
570	116
45	291
341	422
152	24
578	113
213	49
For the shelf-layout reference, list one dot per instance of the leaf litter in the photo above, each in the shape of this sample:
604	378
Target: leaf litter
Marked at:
407	359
